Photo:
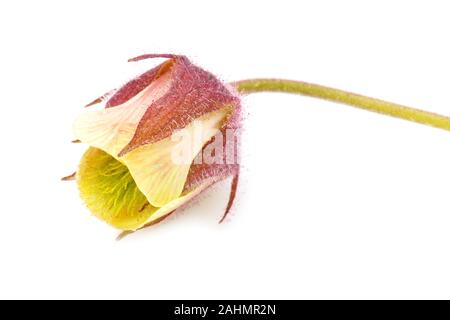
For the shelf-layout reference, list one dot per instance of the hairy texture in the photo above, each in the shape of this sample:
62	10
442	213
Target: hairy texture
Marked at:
193	93
128	177
232	196
202	171
133	87
138	84
157	174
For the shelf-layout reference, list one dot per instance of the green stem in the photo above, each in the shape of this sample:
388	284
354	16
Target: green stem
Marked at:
336	95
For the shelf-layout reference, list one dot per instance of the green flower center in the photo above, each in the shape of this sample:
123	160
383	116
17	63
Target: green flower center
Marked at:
109	191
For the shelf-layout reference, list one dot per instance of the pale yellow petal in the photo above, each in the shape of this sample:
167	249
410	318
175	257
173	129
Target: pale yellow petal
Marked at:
159	213
111	194
110	129
159	170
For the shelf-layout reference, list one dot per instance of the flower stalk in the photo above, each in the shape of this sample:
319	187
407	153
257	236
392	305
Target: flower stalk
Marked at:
344	97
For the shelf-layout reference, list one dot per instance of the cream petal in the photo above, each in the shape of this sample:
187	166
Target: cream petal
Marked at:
159	171
111	194
159	176
110	129
159	213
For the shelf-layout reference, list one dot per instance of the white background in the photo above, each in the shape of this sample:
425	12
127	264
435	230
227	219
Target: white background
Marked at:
334	202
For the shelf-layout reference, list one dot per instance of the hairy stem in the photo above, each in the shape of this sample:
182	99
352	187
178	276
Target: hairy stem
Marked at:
336	95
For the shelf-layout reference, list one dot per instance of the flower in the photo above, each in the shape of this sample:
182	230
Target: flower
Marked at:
159	141
169	134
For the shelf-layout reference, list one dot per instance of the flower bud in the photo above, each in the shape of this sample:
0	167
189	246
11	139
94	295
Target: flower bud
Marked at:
140	165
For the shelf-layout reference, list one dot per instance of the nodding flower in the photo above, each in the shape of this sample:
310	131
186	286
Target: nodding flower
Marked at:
171	133
148	143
